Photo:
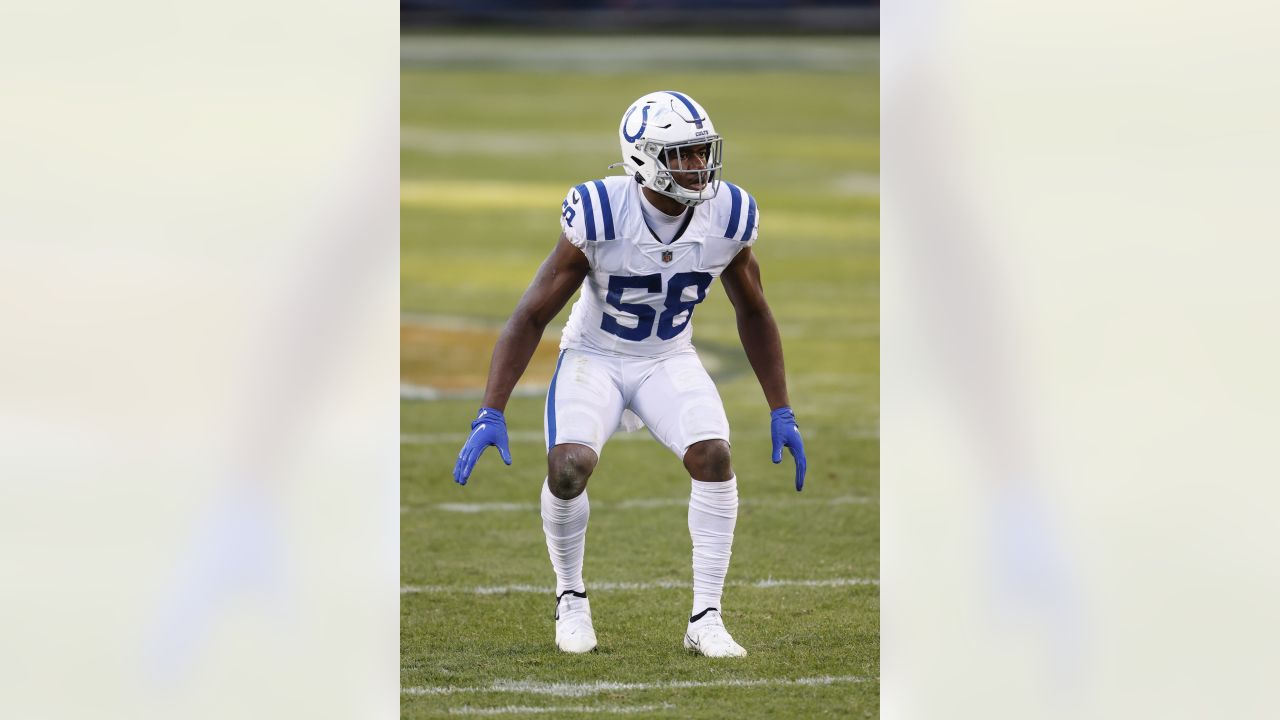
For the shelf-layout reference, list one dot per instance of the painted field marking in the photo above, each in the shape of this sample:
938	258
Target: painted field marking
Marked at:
484	507
650	585
633	504
601	686
533	709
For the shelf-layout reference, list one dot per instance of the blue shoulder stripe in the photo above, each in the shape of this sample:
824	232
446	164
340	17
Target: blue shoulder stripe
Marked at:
587	210
734	193
751	219
605	209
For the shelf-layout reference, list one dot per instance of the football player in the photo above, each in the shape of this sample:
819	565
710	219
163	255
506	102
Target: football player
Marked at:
644	247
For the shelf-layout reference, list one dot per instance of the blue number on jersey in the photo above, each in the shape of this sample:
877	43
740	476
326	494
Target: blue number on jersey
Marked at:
675	304
568	212
644	314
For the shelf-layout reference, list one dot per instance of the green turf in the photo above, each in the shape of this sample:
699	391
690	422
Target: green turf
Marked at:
806	145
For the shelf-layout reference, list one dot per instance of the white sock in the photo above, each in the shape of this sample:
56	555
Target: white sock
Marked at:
564	522
713	511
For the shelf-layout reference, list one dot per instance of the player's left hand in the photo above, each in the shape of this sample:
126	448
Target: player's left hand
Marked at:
489	428
786	433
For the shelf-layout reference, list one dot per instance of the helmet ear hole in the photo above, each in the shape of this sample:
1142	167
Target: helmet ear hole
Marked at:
637	161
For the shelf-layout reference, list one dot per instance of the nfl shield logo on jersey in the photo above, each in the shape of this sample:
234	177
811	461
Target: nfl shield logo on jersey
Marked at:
666	256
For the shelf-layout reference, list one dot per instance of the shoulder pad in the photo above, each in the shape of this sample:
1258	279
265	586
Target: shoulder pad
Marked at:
742	222
587	214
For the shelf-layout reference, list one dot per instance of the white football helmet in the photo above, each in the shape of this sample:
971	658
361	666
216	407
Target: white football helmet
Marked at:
663	136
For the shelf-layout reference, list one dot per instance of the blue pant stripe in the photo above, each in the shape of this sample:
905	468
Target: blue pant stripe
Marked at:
734	210
605	209
587	210
551	405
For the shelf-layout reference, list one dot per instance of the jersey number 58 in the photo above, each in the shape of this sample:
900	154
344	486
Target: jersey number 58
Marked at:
644	313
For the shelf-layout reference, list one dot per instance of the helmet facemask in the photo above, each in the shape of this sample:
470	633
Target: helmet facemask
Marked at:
688	172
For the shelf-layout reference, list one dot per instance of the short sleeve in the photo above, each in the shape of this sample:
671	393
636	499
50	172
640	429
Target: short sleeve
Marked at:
572	218
752	222
740	215
586	215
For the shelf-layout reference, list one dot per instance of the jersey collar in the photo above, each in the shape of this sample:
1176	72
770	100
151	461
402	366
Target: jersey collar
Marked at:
688	217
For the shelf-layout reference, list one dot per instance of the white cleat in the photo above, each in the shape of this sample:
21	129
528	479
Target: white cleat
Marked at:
574	633
707	636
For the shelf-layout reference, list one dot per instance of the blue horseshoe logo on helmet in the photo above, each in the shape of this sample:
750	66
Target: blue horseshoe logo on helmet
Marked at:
644	123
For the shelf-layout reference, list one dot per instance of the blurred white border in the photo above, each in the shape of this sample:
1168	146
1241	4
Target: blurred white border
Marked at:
1079	359
199	384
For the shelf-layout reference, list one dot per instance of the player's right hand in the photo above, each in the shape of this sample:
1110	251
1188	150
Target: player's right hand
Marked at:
489	428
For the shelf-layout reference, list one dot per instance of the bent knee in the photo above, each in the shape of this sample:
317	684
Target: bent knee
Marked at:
709	461
568	467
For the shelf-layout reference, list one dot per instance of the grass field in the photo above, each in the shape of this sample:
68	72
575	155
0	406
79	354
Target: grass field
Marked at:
489	147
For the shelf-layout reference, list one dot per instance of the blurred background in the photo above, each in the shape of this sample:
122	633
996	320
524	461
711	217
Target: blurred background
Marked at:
1078	383
663	17
198	405
500	116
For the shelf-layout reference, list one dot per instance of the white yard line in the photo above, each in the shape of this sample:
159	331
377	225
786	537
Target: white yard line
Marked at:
532	709
594	688
483	507
647	503
650	585
634	504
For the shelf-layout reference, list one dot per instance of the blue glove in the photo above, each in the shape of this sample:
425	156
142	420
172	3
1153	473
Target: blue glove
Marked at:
489	428
783	428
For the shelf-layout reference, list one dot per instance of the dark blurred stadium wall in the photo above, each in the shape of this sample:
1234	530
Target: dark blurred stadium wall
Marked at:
670	16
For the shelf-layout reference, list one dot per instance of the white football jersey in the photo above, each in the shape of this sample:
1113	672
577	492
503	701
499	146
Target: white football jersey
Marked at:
639	297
